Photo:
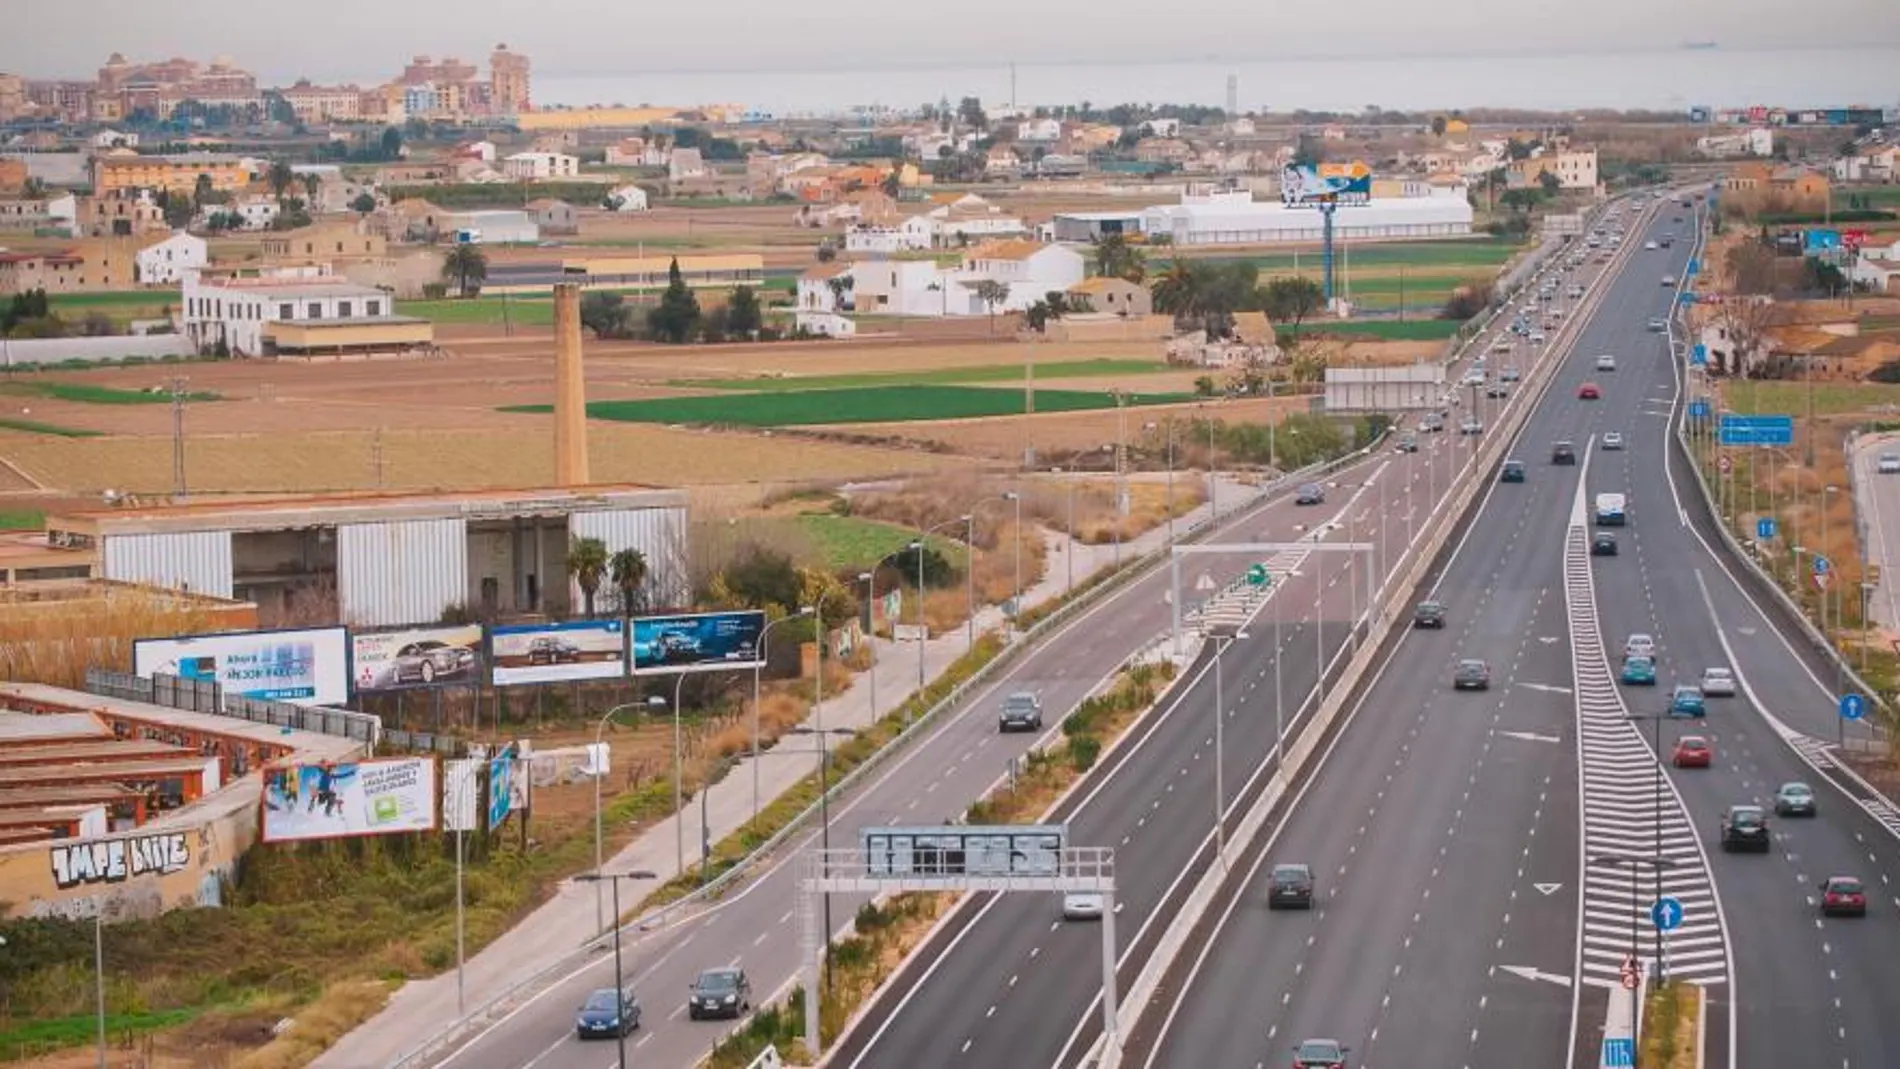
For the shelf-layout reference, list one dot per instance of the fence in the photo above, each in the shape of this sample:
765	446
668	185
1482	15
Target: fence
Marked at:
205	696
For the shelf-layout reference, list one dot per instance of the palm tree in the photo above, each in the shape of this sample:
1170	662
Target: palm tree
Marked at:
1115	258
992	293
587	565
280	177
466	266
201	191
1178	291
311	183
628	571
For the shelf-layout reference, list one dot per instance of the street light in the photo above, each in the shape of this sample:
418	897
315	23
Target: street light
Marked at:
1655	721
620	983
1221	642
869	579
923	629
653	702
758	672
1016	597
1634	862
1069	550
1149	426
824	815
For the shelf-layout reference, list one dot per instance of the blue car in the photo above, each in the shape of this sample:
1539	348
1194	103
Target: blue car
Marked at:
1687	701
1639	672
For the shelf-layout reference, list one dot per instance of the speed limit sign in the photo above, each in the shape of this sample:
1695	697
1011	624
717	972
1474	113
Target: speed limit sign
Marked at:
1726	465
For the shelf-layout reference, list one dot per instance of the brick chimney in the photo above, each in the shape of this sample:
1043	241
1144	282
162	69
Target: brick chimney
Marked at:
570	390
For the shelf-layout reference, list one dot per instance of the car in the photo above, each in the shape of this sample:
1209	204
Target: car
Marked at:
1320	1054
1508	374
1603	544
1658	325
430	660
1794	800
551	650
1606	362
1022	711
1502	345
1428	614
677	646
1745	827
1640	645
1430	423
1843	896
1576	292
1082	905
1612	440
1537	337
1888	464
1692	751
1638	672
1589	392
1718	683
1649	246
1669	280
1310	494
1497	391
1511	472
1563	453
607	1012
1474	377
1408	444
1290	886
1686	700
1471	425
1471	675
722	992
1667	240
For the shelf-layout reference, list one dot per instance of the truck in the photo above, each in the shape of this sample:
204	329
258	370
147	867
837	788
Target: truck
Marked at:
1611	510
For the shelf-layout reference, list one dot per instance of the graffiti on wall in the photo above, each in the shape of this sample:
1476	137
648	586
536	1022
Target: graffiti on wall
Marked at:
118	860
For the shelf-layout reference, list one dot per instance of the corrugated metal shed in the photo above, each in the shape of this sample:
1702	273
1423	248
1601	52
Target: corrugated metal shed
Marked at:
400	573
198	561
658	533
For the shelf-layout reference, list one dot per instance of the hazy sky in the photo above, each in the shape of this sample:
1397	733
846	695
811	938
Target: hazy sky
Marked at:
368	40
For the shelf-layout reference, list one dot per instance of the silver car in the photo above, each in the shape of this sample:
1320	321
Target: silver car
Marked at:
1718	683
1082	906
1612	440
1888	464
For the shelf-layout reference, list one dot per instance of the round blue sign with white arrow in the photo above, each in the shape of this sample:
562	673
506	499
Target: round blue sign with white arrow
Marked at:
1820	565
1853	707
1666	914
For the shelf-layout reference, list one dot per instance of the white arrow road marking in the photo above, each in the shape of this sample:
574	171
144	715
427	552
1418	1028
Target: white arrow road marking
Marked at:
1547	688
1528	973
1530	736
1547	639
1547	888
1745	630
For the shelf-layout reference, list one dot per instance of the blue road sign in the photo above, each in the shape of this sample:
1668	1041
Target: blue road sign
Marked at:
1765	528
1695	267
1699	356
1699	409
1821	565
1853	707
1666	914
1618	1053
1685	297
1757	430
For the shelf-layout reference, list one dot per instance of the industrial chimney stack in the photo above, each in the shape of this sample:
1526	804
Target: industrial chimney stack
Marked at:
570	389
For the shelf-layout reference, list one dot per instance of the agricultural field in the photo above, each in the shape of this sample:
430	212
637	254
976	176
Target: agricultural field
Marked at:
869	404
1827	398
942	376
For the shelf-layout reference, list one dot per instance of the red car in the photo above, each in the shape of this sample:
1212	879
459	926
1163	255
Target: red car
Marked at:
1843	896
1589	392
1692	751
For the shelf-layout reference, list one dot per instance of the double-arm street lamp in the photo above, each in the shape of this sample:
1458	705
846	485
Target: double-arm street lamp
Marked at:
620	983
1221	642
1636	862
824	813
653	702
1169	432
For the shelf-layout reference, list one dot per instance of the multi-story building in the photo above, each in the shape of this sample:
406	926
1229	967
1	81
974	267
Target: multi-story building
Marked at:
324	103
167	261
324	243
449	71
385	104
123	170
540	165
64	101
90	265
124	88
126	212
12	97
508	81
13	174
260	316
1573	169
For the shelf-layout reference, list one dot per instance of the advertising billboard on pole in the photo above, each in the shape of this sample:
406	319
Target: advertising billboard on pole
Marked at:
557	652
382	797
697	642
505	781
416	657
304	667
1309	186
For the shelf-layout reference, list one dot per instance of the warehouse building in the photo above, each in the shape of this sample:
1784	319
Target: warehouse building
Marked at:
1230	220
390	559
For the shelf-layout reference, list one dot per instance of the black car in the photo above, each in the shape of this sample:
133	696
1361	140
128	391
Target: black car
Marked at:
677	646
719	993
1428	614
607	1013
550	650
1290	887
1512	472
1745	827
1471	675
1603	545
1563	453
1310	494
1022	711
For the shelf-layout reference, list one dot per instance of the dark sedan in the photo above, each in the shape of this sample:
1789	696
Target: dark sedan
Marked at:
1290	887
719	993
1429	614
608	1013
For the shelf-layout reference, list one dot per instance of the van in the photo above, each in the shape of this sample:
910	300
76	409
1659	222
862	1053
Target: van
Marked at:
1611	510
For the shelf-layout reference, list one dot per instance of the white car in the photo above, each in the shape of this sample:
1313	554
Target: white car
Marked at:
1612	440
1474	378
1640	645
1650	246
1537	337
1471	426
1888	464
1606	362
1718	683
1082	906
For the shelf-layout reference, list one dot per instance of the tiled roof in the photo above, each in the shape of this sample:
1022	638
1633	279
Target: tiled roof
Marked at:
1006	250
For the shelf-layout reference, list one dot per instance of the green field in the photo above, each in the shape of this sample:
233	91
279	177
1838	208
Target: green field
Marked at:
1791	398
524	311
1476	254
29	520
85	393
850	543
1384	329
872	404
120	306
1873	196
941	376
33	426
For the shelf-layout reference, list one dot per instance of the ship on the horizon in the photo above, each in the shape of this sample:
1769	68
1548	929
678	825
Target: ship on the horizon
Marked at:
1698	46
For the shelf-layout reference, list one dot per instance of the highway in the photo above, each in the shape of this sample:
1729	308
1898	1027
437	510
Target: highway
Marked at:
1005	980
935	781
1442	826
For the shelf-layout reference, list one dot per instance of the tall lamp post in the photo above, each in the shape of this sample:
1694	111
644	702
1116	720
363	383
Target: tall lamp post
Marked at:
758	673
1069	551
1633	862
1655	721
620	982
824	815
652	702
1169	450
1221	642
869	579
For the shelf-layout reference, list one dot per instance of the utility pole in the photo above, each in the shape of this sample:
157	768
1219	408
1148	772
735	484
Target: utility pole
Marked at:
178	436
376	456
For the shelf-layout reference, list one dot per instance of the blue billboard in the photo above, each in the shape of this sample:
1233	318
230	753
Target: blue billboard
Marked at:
1815	242
698	642
502	787
1308	186
1757	430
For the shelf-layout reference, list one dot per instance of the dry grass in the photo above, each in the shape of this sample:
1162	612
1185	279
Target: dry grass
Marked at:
55	642
1061	433
319	1026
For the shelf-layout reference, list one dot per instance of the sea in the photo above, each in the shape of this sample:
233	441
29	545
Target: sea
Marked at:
1674	79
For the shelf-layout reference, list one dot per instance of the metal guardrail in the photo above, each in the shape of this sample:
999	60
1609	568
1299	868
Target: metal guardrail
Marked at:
209	698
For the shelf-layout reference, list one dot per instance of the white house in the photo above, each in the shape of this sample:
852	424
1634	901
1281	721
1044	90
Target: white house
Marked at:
686	163
483	150
954	225
236	311
881	239
906	287
167	262
257	212
541	165
1757	142
114	139
1030	270
628	198
818	293
1043	130
825	324
1879	164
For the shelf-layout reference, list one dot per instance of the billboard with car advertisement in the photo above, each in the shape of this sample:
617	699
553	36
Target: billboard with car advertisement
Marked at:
697	642
310	666
380	797
557	652
416	657
1309	186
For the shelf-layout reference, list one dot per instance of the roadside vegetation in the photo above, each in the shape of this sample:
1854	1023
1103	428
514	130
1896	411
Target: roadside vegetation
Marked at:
91	394
1670	1019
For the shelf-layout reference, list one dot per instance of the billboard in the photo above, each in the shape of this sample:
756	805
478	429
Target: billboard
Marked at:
507	781
416	657
967	850
380	797
698	642
306	667
557	652
1820	241
1306	186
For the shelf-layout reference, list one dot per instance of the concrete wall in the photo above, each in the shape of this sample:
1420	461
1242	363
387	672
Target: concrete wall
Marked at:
18	351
